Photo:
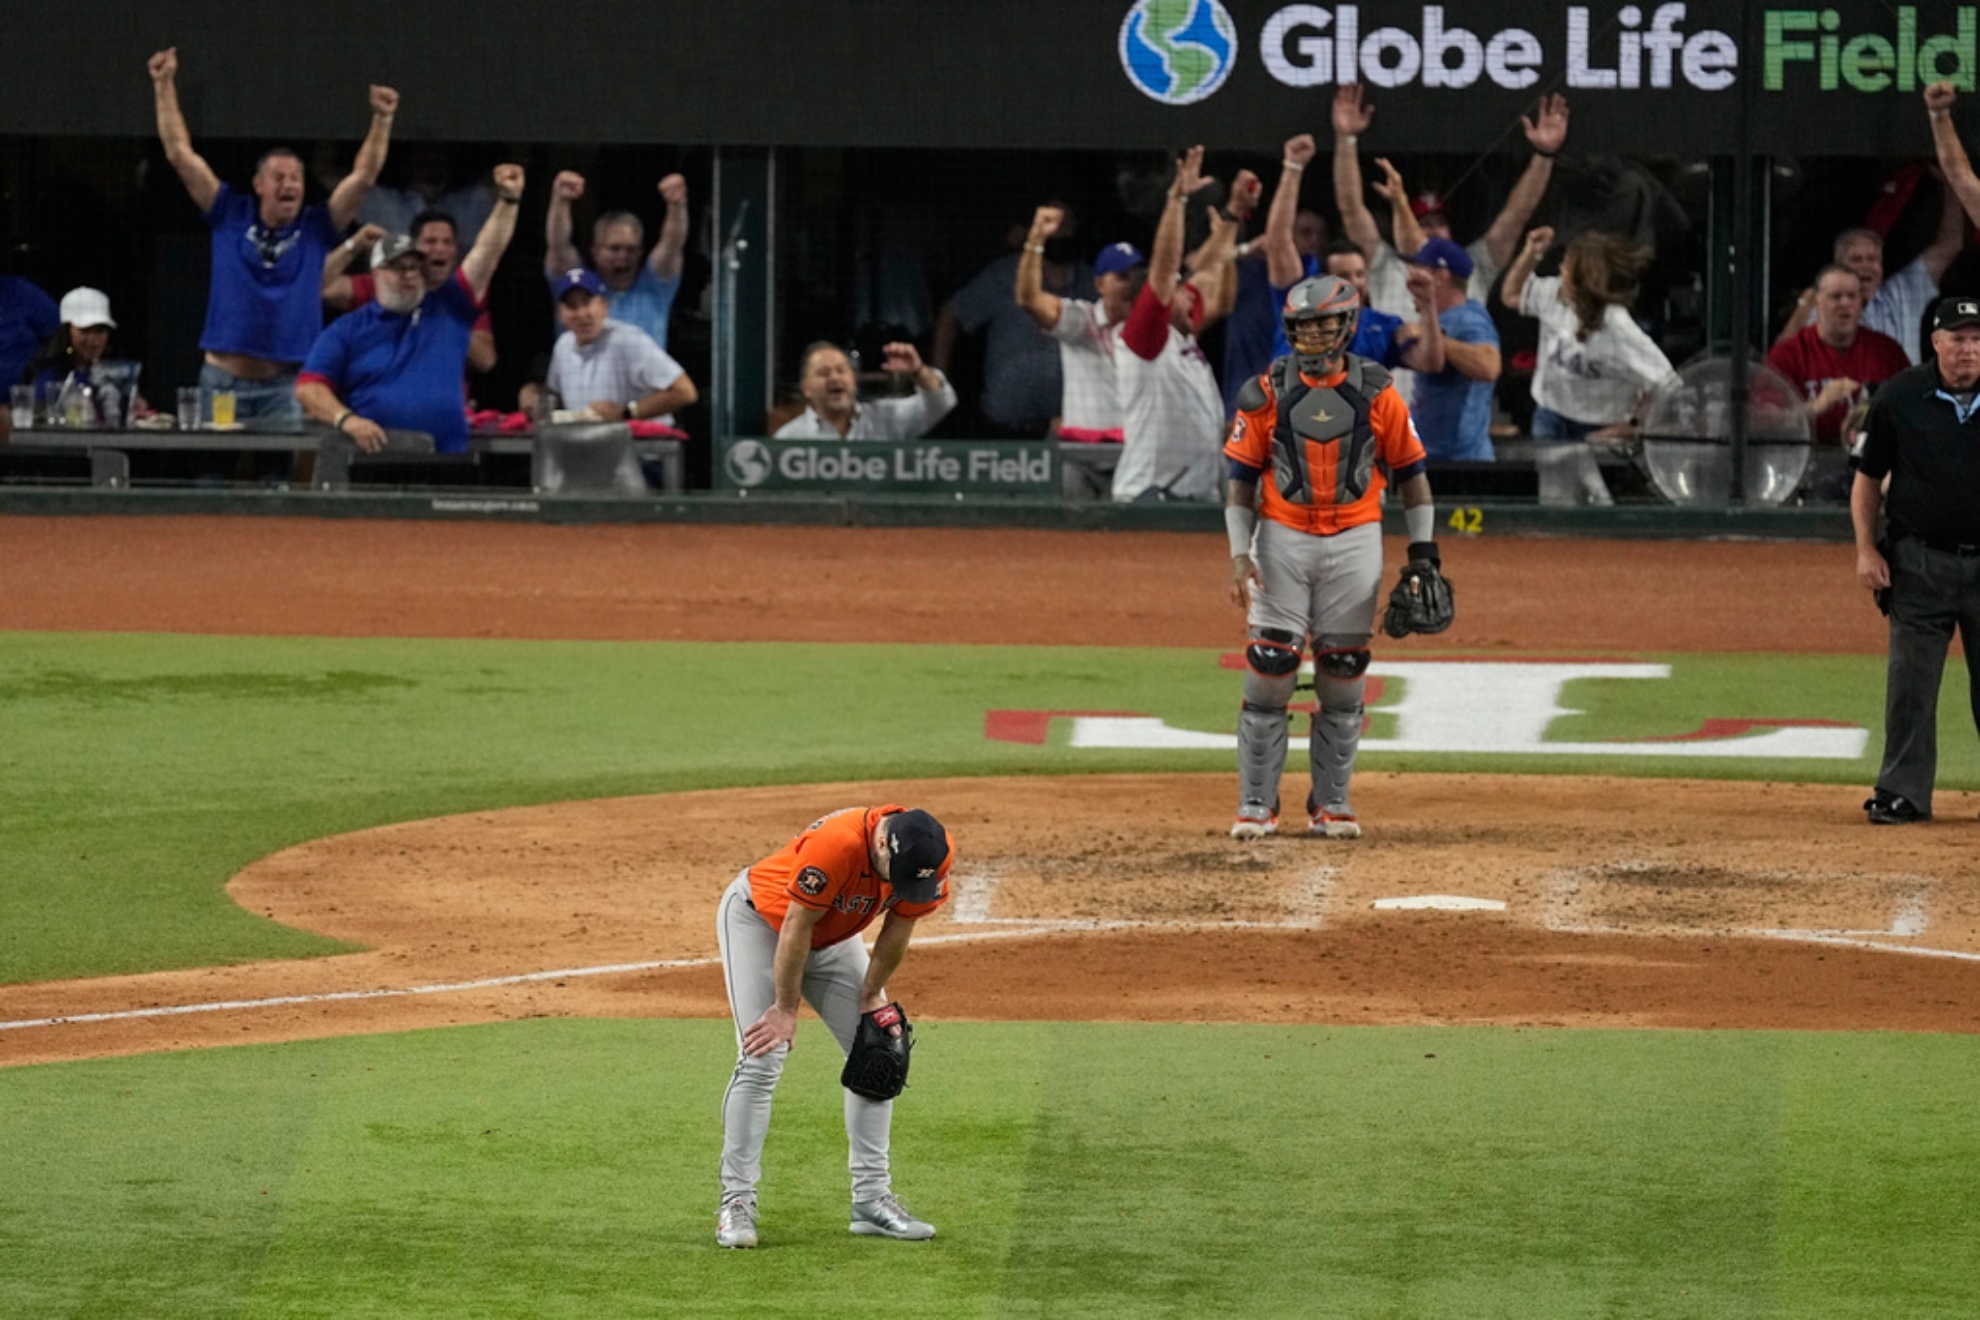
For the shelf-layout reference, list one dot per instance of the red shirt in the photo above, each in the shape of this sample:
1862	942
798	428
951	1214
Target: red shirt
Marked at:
1810	363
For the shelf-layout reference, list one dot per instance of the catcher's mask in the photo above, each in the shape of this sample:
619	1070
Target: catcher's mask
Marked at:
919	852
1322	312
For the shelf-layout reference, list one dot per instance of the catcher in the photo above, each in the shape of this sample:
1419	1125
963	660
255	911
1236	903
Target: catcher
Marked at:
1316	440
789	927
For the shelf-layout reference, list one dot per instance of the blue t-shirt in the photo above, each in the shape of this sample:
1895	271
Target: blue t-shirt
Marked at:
1453	412
265	298
1248	334
1022	380
1375	338
28	318
404	372
647	304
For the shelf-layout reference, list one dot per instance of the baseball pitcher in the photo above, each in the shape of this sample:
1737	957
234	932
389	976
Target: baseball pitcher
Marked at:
1316	440
789	929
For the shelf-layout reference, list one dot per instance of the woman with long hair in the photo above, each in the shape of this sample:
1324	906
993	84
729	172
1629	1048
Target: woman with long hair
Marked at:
1595	362
75	352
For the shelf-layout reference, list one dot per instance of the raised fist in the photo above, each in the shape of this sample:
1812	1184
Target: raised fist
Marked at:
1938	96
903	358
509	182
364	239
165	64
384	101
568	186
1300	150
673	190
1352	115
1245	192
1045	222
1539	240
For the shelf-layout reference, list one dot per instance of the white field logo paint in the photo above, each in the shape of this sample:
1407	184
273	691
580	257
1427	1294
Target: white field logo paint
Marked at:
1494	708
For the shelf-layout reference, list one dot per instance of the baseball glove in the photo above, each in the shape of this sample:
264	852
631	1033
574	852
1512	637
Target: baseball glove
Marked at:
877	1063
1422	601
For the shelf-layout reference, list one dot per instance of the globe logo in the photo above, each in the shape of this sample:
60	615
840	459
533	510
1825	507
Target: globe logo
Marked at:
748	463
1178	51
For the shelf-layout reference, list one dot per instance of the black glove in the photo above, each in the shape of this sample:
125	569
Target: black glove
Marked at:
877	1063
1422	601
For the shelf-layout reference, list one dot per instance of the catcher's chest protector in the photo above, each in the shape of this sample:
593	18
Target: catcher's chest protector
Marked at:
1325	427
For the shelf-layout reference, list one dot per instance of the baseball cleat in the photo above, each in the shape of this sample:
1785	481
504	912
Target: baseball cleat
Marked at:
1894	810
1334	823
735	1225
1254	822
887	1217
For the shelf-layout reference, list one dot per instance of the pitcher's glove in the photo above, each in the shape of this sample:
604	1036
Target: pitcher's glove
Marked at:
877	1064
1422	601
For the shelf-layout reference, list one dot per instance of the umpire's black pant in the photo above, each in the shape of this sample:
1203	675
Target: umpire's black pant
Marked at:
1932	592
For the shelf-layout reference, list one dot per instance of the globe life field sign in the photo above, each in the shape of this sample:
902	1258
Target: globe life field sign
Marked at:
920	467
1645	77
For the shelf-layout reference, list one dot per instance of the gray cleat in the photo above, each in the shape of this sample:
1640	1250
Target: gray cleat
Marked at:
887	1217
735	1225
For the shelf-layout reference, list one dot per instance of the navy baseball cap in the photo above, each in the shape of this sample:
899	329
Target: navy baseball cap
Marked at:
580	278
1444	254
1118	259
1956	313
919	853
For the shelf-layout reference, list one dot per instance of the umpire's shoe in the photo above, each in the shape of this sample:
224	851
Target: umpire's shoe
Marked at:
887	1217
735	1225
1894	809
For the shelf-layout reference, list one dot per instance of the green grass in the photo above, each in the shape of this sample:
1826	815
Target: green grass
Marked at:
138	773
563	1168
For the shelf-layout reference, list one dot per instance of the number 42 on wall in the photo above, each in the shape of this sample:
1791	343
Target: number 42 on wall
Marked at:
1467	521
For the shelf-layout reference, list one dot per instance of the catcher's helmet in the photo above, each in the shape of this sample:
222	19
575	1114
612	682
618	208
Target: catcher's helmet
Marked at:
1333	304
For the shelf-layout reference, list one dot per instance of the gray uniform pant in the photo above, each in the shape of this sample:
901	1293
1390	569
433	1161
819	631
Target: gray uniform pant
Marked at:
1932	593
833	979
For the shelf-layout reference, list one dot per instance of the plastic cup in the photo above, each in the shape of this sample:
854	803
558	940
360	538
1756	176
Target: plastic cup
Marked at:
223	408
188	407
23	404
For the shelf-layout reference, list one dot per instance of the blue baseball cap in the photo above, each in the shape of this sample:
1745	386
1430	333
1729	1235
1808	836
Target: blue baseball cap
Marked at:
580	278
1118	259
1443	253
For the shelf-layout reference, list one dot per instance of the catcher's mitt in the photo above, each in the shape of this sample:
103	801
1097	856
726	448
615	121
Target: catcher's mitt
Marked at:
877	1063
1422	601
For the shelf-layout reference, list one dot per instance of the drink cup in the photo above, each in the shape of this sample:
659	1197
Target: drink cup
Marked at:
23	404
76	406
188	407
223	408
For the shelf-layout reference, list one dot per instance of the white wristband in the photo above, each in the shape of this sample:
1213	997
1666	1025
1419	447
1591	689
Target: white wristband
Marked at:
1421	519
1240	522
1035	247
1292	165
1936	114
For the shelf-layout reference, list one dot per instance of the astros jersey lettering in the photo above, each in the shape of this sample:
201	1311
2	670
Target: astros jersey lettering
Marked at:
829	867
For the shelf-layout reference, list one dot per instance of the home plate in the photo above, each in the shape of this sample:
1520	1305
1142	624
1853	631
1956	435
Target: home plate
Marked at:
1440	903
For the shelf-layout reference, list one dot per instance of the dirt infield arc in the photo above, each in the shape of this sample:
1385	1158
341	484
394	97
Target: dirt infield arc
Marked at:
1627	903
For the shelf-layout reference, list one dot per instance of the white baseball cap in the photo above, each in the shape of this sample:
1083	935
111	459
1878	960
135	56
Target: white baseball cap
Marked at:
86	308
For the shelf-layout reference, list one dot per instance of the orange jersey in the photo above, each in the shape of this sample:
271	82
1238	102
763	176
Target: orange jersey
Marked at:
830	867
1324	464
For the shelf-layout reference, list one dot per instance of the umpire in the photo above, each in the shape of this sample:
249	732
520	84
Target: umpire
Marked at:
1924	437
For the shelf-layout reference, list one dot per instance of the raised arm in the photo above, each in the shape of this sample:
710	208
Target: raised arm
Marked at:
1402	220
202	184
349	195
1031	293
1953	161
478	266
1536	245
1165	257
1282	265
1213	269
1423	349
1478	361
1352	115
559	253
665	258
1546	131
336	282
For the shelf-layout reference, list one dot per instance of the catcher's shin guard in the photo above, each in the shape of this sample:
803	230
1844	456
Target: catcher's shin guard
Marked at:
1271	676
1336	738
